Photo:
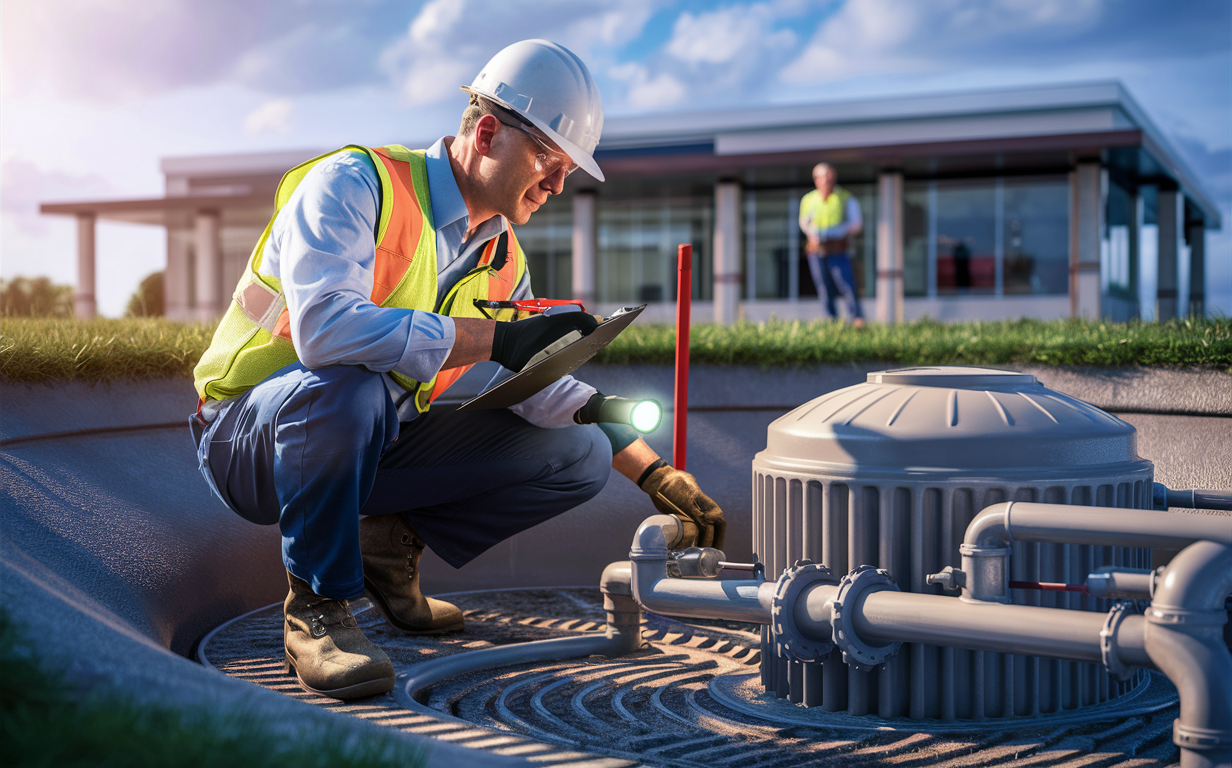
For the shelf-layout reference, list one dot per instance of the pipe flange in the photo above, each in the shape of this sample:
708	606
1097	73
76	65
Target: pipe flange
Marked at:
1204	739
856	652
794	644
1173	616
1108	638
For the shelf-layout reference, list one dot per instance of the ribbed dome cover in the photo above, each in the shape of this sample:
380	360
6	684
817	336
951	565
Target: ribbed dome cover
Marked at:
966	420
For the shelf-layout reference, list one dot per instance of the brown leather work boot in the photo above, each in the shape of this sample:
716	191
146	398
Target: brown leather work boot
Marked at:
391	552
326	648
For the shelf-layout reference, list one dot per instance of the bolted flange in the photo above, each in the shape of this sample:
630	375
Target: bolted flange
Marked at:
856	652
1107	639
794	644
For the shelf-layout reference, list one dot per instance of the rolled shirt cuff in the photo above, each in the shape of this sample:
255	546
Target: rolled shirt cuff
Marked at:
428	345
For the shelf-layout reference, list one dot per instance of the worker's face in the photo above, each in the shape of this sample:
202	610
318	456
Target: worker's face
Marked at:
525	172
824	179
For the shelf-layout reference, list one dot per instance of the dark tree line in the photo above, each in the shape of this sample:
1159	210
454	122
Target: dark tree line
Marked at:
35	297
39	297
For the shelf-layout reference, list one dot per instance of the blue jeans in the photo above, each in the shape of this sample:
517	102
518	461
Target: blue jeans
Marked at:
833	277
313	450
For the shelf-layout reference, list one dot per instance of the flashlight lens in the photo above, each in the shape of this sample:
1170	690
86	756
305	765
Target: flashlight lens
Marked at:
646	416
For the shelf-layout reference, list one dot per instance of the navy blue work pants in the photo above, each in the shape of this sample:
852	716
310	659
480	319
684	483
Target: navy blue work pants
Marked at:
313	450
834	278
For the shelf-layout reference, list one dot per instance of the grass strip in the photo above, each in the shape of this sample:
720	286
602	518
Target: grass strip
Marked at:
46	723
1188	343
45	350
50	349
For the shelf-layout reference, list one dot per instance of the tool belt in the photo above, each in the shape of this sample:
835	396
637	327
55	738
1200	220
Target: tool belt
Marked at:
831	247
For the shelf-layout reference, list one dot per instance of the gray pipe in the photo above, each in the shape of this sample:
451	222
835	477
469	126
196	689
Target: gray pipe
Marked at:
985	549
1164	497
1122	583
1184	637
736	599
888	617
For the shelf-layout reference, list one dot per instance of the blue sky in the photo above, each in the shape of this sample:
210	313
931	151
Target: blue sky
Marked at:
94	92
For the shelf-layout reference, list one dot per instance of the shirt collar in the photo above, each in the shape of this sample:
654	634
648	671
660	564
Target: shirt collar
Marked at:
448	207
447	203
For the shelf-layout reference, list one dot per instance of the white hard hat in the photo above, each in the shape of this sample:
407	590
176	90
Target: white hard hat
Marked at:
551	88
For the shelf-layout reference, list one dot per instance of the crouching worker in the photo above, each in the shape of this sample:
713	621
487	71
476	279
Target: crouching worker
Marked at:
358	305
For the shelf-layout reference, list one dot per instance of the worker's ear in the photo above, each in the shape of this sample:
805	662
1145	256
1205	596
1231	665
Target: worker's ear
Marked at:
485	133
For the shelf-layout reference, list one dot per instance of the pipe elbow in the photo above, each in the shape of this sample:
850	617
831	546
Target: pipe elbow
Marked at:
1199	578
617	579
654	536
990	528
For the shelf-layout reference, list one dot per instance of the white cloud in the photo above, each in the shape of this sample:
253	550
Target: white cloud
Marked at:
448	41
436	20
646	91
271	117
24	185
722	36
868	37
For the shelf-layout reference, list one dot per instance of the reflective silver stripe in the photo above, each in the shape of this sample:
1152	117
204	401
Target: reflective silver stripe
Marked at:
260	303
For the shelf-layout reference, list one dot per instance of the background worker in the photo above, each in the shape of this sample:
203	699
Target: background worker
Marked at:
356	310
830	217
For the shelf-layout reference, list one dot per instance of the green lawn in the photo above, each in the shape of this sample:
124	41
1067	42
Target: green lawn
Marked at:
38	350
47	723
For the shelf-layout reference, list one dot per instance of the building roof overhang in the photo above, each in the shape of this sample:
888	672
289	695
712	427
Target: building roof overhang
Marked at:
970	132
241	209
1082	120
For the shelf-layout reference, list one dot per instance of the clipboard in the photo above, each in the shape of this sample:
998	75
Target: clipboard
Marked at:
561	363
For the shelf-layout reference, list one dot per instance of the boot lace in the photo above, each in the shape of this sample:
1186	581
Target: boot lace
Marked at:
322	614
417	547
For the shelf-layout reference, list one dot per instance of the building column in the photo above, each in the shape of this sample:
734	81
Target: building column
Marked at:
1086	226
1171	222
1197	269
585	245
177	305
209	265
728	208
84	304
890	247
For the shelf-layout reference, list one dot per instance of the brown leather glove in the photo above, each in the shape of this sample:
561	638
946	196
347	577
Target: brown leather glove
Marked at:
677	493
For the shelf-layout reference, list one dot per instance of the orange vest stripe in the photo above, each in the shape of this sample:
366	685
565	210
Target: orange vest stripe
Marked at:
501	285
397	248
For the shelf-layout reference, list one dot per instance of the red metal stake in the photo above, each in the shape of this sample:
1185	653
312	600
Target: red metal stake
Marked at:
684	295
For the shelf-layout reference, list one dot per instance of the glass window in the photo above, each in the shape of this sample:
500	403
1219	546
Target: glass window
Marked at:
637	248
1118	247
966	233
547	241
915	238
771	228
864	246
1036	236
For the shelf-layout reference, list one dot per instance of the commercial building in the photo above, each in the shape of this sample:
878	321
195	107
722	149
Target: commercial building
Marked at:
1047	202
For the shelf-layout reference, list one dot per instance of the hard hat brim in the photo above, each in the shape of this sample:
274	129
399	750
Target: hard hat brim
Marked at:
578	155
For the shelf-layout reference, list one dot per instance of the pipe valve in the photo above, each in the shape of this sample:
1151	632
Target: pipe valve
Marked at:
695	563
949	578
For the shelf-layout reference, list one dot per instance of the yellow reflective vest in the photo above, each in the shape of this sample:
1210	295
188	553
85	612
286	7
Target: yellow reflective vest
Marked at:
254	337
817	214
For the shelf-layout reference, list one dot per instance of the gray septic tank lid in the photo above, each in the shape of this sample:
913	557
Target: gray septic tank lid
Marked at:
952	419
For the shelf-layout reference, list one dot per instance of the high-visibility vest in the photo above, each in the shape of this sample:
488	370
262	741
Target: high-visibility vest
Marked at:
823	214
254	337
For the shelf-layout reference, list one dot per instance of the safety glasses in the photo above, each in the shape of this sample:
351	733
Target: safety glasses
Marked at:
548	161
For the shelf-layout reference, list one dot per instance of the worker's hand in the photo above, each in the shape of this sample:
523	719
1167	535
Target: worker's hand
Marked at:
814	244
514	344
677	493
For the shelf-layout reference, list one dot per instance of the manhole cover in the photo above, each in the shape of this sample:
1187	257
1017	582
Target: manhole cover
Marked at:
690	697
